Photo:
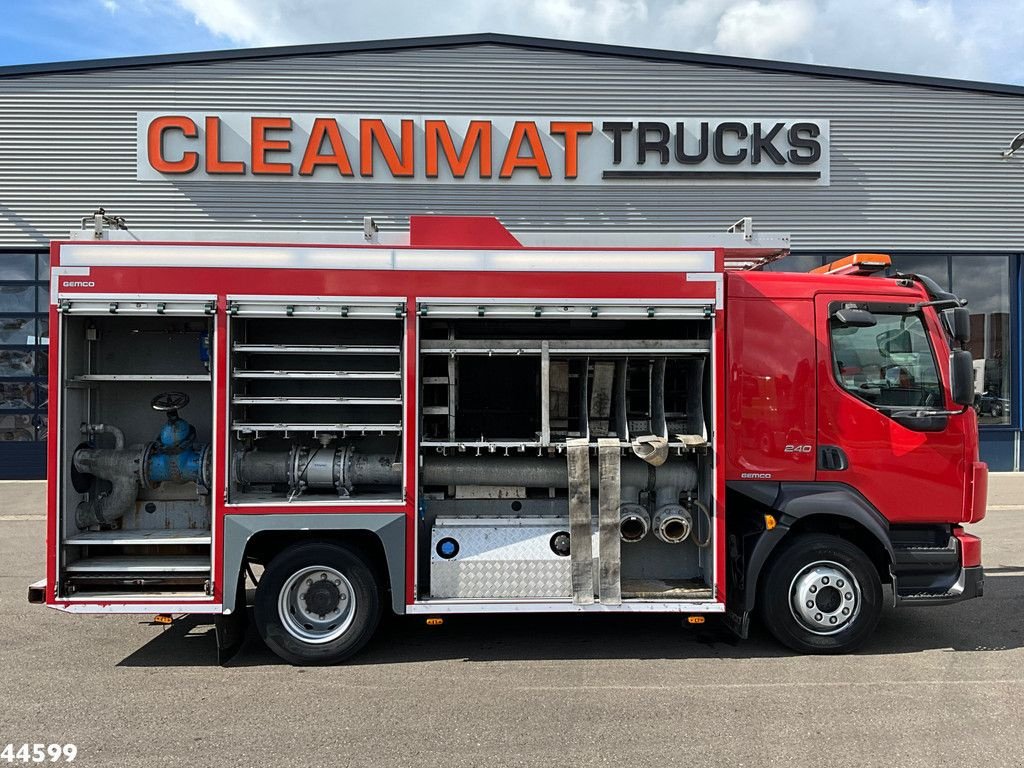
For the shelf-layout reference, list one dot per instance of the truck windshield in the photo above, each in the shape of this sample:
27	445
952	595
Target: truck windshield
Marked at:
890	364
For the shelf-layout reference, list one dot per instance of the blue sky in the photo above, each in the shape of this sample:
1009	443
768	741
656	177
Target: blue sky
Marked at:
971	39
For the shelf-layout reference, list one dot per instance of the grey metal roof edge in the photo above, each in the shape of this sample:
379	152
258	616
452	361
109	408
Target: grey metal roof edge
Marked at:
490	38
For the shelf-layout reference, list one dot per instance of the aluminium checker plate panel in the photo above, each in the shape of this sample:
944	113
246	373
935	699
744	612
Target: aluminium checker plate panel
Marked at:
501	558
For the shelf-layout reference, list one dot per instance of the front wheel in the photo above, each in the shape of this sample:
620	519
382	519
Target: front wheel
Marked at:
821	594
317	604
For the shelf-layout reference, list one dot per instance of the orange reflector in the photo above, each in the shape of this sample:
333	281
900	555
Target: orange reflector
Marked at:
855	264
435	622
769	522
695	619
162	618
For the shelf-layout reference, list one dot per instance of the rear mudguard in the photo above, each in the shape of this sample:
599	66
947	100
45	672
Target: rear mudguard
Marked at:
388	527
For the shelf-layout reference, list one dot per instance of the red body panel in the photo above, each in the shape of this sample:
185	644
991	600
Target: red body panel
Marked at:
977	492
771	393
970	548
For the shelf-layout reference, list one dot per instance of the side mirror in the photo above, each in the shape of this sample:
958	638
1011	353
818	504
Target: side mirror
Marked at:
854	318
961	377
960	320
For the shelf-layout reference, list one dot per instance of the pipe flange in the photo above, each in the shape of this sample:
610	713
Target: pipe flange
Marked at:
147	453
296	459
672	523
206	461
343	469
634	522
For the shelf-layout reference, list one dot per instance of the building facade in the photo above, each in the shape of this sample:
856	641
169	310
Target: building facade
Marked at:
545	135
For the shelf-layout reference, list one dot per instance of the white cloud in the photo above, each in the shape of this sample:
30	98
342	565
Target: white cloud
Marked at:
763	28
111	5
937	37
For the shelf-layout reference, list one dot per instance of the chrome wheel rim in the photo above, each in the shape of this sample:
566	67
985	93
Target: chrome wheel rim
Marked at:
824	598
317	604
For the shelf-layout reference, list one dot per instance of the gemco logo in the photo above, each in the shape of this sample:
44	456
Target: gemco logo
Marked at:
78	284
347	148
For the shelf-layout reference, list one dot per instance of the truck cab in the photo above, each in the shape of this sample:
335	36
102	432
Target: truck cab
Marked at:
866	454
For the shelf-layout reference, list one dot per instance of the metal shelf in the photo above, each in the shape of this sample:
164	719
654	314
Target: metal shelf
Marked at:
155	536
142	377
562	348
332	375
318	349
282	400
141	564
251	426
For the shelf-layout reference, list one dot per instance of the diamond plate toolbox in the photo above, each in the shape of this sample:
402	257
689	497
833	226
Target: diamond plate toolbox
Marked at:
500	558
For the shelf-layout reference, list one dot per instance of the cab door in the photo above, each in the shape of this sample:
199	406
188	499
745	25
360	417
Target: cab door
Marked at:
870	379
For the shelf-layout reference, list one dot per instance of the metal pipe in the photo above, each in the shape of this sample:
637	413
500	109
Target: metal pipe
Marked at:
121	469
109	429
543	472
373	469
672	524
634	522
255	467
317	469
270	467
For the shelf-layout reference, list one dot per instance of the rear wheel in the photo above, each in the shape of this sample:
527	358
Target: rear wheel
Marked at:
821	594
317	604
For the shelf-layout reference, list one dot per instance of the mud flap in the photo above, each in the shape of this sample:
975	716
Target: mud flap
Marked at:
230	628
737	623
230	631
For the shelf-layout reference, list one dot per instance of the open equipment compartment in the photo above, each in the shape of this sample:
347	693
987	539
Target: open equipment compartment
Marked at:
512	397
316	400
136	421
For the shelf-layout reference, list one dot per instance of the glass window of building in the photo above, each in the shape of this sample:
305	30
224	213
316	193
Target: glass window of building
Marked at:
24	326
985	282
935	267
796	262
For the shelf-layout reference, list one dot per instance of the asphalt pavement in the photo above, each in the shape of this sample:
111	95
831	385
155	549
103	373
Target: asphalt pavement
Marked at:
935	686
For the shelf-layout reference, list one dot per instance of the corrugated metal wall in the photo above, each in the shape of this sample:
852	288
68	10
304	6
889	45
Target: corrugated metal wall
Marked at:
913	167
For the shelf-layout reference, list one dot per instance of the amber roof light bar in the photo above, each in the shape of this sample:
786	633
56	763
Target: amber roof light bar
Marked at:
856	264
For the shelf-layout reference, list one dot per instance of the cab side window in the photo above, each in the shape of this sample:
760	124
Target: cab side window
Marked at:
889	365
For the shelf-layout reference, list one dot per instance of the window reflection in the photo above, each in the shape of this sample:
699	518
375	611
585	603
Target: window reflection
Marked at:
17	266
985	282
18	298
17	428
17	330
16	362
17	395
796	262
935	267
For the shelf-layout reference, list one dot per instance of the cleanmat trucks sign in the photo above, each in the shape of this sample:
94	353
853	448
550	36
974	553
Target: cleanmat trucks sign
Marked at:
347	148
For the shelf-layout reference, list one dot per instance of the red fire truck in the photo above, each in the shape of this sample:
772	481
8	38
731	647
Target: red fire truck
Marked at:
455	419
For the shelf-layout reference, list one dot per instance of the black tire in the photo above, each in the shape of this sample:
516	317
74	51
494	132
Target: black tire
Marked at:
799	569
356	600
